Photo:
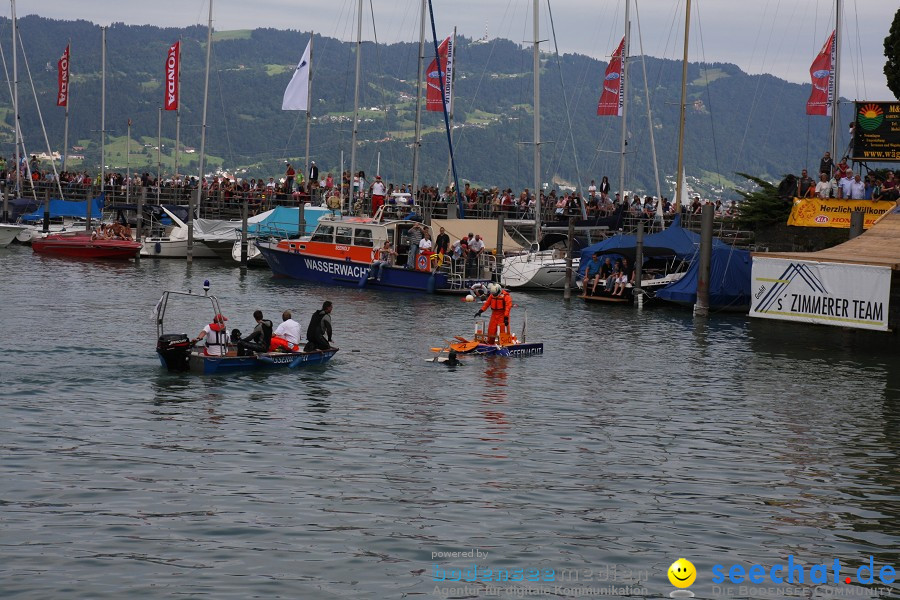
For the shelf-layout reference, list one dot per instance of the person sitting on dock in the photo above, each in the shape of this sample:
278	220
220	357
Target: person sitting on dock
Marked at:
259	339
381	257
216	337
319	330
287	335
500	303
625	275
594	266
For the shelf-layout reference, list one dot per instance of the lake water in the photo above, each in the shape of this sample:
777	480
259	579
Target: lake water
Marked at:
637	438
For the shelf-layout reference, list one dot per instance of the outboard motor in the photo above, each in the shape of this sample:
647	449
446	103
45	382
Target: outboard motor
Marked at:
174	351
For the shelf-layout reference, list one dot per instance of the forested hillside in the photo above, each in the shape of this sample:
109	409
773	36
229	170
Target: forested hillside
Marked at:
735	122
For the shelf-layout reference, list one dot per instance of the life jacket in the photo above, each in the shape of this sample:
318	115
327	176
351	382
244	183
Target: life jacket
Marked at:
502	301
217	338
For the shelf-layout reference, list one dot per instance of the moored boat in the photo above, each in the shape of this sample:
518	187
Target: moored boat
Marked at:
8	233
84	244
340	252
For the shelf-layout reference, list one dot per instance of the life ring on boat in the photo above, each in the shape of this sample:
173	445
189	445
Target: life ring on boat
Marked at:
422	262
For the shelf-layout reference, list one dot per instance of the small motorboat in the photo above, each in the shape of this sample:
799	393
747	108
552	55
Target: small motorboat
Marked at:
85	244
177	354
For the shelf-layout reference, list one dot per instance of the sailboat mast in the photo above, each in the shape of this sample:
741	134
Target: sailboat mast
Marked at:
190	221
679	185
835	83
102	118
537	125
417	144
624	100
355	106
451	52
16	96
308	109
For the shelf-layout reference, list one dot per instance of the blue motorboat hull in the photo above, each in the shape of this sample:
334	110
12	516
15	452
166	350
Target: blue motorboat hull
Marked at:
213	365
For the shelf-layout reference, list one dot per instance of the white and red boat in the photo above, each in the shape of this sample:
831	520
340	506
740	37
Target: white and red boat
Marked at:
82	244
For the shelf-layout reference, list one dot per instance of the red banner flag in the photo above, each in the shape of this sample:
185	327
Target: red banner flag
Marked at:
822	74
611	100
172	65
62	79
433	79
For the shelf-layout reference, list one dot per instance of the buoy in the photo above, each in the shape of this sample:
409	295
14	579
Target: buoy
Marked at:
469	298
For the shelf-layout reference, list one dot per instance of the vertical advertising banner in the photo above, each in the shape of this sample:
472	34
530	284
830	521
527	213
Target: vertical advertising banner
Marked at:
173	59
613	96
434	86
62	79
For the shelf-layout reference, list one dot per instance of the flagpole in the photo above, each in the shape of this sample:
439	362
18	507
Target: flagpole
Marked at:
537	125
418	141
623	91
836	80
679	174
190	223
158	151
128	165
355	107
178	115
65	163
102	121
451	56
308	112
16	97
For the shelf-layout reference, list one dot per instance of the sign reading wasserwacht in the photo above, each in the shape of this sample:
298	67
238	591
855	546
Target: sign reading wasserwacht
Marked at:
824	212
842	294
876	135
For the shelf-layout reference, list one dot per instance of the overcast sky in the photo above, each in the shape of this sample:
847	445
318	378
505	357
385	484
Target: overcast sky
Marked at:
773	36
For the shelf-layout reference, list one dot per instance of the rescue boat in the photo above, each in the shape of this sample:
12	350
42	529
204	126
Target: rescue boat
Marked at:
340	252
506	343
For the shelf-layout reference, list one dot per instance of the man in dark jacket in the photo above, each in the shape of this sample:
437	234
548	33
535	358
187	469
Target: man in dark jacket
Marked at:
259	338
319	331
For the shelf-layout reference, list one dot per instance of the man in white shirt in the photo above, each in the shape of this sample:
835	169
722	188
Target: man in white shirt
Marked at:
289	330
823	188
844	185
857	188
378	190
476	247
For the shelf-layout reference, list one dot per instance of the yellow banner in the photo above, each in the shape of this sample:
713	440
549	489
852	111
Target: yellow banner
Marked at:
816	212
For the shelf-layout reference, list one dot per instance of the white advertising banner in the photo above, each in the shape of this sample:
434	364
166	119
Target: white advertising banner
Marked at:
841	294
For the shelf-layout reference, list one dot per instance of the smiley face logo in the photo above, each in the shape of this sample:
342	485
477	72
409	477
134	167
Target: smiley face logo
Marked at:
682	573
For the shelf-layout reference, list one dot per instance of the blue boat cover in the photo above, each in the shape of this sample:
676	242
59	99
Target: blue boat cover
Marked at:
283	221
729	280
68	208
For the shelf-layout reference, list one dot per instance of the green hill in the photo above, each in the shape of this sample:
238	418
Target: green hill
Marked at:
735	121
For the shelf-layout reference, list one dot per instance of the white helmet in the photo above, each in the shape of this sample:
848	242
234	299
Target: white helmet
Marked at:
494	289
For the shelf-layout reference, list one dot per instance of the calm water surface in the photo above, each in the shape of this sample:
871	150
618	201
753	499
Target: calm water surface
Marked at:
638	437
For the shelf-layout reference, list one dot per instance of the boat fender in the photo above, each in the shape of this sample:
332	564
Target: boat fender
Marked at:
157	247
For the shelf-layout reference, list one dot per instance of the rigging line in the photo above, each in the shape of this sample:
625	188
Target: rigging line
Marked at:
17	130
712	122
380	80
462	134
40	116
756	92
637	17
562	88
224	119
862	64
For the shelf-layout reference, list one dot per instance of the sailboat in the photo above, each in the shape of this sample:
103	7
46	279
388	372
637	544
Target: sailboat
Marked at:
540	269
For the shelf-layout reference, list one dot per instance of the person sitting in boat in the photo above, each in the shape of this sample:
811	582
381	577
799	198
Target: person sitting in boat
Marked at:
319	330
500	303
381	257
259	339
287	335
216	336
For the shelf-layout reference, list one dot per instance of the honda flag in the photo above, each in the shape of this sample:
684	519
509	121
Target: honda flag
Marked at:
822	74
433	78
173	60
612	99
62	79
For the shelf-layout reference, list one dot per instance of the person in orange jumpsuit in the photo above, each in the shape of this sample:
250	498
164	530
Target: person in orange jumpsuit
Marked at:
500	303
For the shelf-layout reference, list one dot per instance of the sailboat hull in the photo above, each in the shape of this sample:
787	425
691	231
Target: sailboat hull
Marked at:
536	270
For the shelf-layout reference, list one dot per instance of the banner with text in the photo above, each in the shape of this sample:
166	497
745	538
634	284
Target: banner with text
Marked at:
876	132
62	80
172	59
823	212
821	73
841	294
434	86
612	99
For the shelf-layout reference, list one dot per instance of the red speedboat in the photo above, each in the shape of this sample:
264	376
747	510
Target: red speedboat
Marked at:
82	244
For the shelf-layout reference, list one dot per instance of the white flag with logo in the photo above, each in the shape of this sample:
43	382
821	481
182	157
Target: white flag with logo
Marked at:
296	96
